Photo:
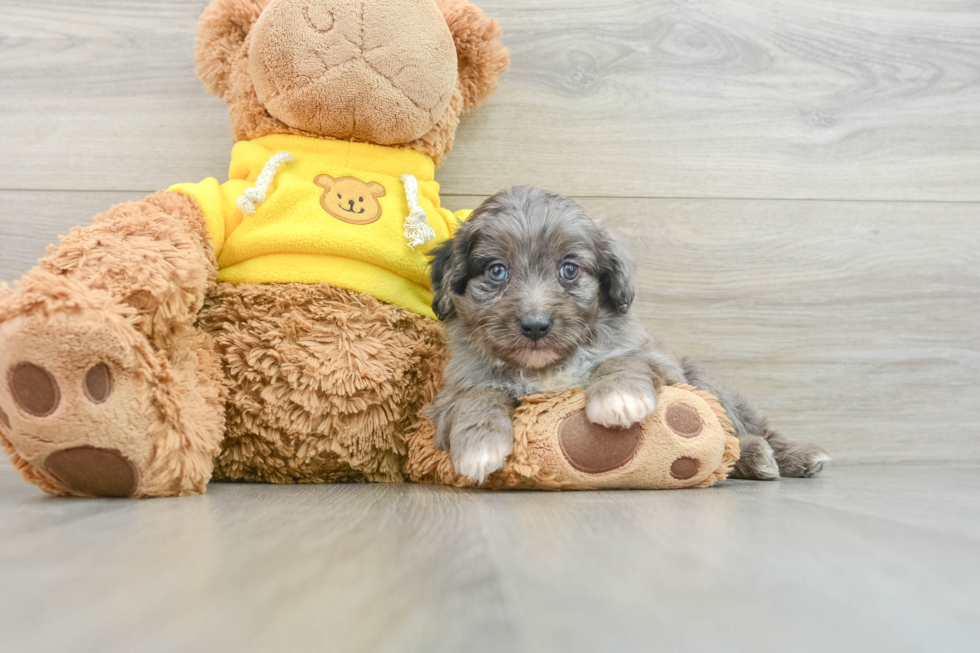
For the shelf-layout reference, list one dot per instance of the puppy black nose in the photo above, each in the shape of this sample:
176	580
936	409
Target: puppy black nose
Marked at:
535	327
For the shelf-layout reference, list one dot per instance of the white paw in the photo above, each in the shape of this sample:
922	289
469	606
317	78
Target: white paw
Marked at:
622	409
478	460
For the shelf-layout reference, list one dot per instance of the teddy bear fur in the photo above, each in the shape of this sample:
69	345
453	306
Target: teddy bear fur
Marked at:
129	371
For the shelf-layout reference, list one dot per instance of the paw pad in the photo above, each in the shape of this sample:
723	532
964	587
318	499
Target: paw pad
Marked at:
684	421
94	471
684	468
594	449
34	389
98	383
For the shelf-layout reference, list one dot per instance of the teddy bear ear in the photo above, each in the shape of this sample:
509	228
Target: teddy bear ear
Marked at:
221	33
377	189
481	56
324	181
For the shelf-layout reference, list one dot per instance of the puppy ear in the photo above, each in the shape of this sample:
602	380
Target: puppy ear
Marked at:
377	189
324	181
449	275
480	55
442	263
221	33
616	274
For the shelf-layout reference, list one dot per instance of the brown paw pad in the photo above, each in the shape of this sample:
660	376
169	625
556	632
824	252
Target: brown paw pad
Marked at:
94	471
684	421
594	449
98	383
34	389
684	468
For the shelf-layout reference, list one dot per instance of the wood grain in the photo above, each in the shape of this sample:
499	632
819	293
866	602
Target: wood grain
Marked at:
852	324
641	98
863	558
752	98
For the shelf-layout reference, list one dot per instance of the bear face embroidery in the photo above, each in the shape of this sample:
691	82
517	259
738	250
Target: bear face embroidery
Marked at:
350	199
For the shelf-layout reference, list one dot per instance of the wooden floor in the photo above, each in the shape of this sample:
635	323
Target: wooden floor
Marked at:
800	183
863	559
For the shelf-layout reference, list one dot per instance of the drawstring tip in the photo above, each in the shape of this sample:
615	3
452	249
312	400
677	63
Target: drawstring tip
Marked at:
245	206
417	229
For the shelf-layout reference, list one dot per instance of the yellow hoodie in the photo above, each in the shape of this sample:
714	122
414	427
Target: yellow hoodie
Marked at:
327	211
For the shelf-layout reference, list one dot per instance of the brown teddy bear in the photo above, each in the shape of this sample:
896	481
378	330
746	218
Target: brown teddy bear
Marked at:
275	327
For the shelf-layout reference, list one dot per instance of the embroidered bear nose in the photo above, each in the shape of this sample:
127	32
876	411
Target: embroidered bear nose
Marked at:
535	327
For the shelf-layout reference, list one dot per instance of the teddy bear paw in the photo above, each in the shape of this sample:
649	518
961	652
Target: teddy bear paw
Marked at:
72	404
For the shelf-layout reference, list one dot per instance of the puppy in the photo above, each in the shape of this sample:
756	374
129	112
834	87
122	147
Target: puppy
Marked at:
535	295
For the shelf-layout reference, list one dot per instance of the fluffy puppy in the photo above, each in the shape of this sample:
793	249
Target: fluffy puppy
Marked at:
535	295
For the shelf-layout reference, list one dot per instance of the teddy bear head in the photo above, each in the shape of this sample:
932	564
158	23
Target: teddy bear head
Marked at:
388	72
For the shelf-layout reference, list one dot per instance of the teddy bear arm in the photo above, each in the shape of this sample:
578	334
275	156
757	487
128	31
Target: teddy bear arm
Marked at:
154	255
107	386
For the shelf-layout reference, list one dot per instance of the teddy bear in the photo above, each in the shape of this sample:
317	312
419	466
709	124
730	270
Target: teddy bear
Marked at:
277	326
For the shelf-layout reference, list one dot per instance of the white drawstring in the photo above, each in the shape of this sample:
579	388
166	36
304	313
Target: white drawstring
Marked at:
255	195
417	229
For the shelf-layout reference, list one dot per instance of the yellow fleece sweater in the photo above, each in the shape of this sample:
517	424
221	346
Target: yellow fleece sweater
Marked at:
332	212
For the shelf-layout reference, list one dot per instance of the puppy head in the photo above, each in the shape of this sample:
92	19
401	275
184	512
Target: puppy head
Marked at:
529	276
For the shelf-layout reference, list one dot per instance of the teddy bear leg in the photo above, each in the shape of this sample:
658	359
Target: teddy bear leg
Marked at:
106	386
325	382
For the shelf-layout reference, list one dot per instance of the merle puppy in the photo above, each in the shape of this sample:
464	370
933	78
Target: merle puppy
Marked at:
536	297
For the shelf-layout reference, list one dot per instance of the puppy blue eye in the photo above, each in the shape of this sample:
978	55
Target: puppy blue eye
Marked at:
339	195
497	273
360	199
569	271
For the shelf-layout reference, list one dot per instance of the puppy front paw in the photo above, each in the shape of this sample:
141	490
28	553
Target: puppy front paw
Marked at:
479	450
620	406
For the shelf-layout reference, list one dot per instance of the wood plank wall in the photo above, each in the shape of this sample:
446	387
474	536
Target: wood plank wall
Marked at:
800	181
